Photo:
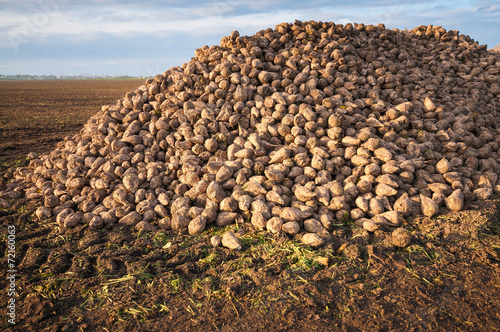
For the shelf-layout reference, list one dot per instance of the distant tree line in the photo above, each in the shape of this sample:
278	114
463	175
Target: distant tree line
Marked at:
63	77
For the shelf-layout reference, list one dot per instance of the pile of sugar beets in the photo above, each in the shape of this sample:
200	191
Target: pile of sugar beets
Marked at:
291	130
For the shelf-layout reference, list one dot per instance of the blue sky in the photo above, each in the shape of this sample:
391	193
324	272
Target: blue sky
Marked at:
148	37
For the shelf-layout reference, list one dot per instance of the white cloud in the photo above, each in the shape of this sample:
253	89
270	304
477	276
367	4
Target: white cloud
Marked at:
176	28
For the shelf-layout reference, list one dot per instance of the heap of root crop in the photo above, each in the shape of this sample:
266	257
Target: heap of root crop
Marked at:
291	130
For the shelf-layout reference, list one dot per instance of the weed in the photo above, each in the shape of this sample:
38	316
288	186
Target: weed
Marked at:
346	219
176	284
160	239
433	256
301	258
211	258
246	240
162	307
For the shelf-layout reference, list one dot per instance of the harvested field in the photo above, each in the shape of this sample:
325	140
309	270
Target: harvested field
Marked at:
35	115
435	272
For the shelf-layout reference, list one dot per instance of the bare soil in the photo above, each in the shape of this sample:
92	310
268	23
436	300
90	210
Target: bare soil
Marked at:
35	115
448	279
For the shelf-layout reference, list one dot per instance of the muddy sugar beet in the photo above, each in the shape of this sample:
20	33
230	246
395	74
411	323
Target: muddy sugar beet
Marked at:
290	130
